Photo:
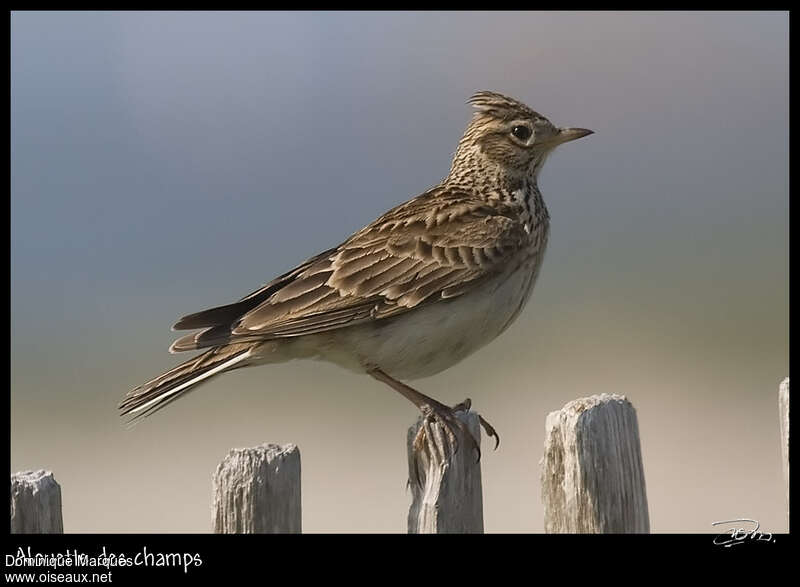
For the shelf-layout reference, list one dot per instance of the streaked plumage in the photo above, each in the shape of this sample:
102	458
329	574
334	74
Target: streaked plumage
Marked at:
412	293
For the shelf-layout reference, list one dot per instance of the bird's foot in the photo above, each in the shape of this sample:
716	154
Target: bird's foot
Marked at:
439	431
430	438
436	412
464	407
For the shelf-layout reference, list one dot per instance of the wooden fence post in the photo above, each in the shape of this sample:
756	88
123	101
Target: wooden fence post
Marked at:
35	503
592	473
257	491
447	496
783	407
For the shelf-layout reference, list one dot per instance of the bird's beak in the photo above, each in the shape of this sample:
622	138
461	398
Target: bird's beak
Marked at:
570	134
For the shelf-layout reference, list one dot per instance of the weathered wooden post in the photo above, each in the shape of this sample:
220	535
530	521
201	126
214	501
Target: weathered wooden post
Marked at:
783	408
446	490
592	474
35	503
257	491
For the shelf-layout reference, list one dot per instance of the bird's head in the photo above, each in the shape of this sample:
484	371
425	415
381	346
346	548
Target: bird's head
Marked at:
507	137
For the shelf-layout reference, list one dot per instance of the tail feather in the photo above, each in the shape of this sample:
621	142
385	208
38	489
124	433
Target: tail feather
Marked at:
159	392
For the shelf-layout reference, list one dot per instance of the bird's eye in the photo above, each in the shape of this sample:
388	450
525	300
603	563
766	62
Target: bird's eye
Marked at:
522	132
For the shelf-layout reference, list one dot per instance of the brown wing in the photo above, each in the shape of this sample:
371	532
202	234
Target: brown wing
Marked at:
436	246
231	312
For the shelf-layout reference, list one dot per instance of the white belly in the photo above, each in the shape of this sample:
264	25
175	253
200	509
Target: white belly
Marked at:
433	337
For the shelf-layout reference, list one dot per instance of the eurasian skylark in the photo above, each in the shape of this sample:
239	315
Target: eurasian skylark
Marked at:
409	295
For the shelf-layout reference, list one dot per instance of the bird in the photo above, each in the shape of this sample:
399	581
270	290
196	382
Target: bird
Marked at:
408	296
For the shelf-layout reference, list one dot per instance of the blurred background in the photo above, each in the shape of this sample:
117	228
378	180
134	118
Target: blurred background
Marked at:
162	163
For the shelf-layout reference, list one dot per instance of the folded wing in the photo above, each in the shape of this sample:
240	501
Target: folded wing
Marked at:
437	246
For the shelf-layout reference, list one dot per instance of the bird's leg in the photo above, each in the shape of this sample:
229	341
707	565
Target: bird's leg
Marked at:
431	410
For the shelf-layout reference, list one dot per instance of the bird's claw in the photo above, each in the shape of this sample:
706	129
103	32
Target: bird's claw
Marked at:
450	423
439	443
464	407
490	431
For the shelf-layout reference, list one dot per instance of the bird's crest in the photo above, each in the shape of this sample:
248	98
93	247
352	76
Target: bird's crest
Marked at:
501	106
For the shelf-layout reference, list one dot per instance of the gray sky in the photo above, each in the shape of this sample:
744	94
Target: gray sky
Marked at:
166	162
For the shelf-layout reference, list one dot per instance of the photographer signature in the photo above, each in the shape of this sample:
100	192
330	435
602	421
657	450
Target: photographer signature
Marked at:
735	534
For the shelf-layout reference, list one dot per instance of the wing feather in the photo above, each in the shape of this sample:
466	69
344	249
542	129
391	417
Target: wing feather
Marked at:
437	246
